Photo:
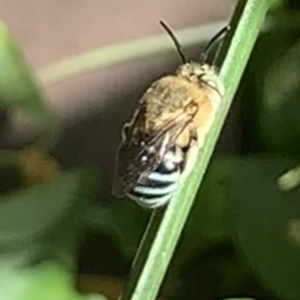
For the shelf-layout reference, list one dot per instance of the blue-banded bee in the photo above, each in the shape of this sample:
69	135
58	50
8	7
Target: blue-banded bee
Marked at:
173	116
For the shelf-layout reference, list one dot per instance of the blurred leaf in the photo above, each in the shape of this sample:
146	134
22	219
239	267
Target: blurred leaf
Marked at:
293	231
289	180
271	113
217	272
46	219
261	217
9	173
281	122
17	85
109	286
26	167
48	281
278	4
36	166
124	220
18	88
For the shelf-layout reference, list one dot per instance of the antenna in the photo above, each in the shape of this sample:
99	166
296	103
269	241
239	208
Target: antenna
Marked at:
214	39
175	41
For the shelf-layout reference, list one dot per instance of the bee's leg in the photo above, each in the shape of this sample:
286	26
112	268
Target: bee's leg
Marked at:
200	137
197	142
191	154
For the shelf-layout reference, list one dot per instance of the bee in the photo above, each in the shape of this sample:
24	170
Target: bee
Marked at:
173	116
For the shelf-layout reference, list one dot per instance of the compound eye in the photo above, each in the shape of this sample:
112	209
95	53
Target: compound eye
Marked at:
212	83
194	78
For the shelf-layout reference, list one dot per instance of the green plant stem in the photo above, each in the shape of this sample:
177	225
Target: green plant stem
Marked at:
142	253
246	24
122	52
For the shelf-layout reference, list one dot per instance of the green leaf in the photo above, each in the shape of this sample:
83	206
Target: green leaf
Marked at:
18	88
290	179
272	89
9	176
48	281
45	220
262	214
17	85
278	4
281	100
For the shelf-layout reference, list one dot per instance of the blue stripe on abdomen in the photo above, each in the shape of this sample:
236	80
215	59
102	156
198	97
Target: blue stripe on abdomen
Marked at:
156	188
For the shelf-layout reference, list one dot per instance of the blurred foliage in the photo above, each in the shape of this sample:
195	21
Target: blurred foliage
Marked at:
271	90
262	214
36	166
293	5
109	286
265	217
41	223
48	281
41	207
25	168
26	214
289	180
18	87
124	220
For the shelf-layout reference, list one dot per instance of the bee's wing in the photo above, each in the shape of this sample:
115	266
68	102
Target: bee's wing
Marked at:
136	160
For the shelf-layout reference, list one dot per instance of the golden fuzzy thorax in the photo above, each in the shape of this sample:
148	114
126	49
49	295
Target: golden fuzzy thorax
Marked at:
170	94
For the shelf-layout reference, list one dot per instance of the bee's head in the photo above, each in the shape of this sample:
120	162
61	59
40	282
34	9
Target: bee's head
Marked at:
200	73
203	74
195	71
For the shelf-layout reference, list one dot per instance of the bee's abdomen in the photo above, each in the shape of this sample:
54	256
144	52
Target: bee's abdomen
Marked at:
156	189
